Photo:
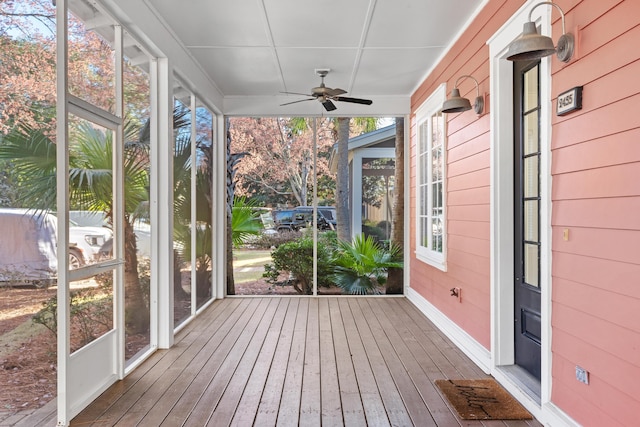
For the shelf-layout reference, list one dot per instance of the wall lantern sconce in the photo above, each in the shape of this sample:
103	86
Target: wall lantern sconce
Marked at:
531	45
458	104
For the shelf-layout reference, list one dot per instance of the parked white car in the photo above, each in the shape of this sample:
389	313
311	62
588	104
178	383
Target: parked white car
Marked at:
28	244
89	239
141	229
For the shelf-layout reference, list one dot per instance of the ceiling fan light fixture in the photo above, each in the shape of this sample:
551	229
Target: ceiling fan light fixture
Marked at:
325	95
458	104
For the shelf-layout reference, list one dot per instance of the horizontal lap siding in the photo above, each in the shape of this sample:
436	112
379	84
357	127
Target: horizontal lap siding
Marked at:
596	197
468	180
595	191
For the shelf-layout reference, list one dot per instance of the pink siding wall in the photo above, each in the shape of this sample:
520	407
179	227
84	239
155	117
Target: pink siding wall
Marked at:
468	160
595	195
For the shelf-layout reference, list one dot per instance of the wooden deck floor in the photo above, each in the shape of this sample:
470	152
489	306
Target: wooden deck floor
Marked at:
266	361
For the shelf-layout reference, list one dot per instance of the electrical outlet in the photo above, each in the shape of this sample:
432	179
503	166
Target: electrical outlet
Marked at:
582	375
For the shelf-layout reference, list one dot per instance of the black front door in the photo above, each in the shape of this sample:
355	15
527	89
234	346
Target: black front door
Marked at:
527	216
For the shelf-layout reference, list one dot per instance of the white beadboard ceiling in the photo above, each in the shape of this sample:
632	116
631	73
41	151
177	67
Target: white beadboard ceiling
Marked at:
252	50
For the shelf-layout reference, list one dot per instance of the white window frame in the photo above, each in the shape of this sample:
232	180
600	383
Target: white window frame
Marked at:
430	107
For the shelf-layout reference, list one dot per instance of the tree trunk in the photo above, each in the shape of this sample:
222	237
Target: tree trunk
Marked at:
395	275
136	308
342	181
231	287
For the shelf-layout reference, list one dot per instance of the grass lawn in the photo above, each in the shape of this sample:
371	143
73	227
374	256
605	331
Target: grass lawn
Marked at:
248	264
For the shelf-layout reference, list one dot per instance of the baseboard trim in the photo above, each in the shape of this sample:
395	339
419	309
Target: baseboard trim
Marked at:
465	342
548	414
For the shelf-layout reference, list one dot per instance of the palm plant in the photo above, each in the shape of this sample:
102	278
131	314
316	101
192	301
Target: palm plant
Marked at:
360	266
90	187
245	221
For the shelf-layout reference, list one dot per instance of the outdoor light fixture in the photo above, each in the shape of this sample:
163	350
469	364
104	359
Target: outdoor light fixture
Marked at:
531	45
458	104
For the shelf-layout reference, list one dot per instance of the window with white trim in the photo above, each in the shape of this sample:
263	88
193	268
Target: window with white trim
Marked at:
431	181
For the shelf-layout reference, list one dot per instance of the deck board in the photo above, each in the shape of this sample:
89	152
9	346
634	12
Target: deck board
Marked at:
416	408
387	387
267	361
247	407
289	410
416	361
370	397
194	392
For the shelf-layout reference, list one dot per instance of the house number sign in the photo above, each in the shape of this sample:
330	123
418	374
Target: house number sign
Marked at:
569	101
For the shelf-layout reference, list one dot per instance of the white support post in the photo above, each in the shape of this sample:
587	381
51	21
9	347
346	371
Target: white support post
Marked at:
162	235
118	209
194	203
154	286
62	206
407	204
220	209
315	208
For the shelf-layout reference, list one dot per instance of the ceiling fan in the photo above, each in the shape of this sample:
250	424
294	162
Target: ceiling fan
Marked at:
326	95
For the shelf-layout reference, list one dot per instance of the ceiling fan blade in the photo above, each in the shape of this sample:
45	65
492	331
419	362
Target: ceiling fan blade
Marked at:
353	100
296	93
295	102
335	92
328	105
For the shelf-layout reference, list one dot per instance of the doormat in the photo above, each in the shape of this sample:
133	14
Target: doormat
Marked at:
482	400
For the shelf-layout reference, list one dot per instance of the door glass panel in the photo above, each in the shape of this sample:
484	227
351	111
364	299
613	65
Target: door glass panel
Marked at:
531	137
182	211
531	89
531	264
531	176
531	219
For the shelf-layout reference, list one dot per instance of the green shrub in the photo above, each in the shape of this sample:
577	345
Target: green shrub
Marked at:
296	259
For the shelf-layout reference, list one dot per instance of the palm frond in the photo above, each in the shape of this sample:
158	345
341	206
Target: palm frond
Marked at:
245	221
361	265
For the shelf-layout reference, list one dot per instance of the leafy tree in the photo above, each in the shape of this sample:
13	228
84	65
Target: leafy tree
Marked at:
27	65
280	156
